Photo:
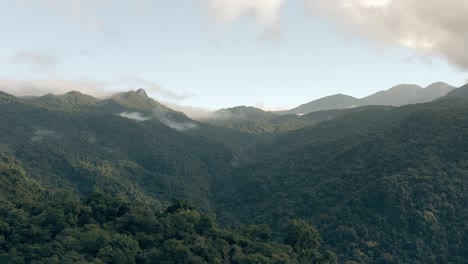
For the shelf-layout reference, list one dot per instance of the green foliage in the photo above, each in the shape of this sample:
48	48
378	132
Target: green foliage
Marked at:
256	121
382	185
84	185
86	150
301	235
58	227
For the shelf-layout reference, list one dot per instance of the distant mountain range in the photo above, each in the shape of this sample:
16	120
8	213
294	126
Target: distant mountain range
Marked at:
399	95
138	105
254	120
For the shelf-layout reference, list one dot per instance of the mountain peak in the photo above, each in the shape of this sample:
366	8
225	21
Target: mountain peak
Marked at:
439	86
461	92
336	101
141	92
138	94
74	93
404	88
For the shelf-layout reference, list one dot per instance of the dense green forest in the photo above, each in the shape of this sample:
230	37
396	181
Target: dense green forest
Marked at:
386	185
42	226
127	180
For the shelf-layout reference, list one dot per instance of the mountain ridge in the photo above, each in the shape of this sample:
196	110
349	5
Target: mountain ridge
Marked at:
398	95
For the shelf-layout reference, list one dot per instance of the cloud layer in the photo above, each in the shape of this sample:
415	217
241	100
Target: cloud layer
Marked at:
266	12
429	27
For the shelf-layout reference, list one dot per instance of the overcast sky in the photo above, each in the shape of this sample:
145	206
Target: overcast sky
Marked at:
219	53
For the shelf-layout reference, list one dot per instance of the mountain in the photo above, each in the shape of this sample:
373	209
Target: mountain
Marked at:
138	100
404	94
117	181
256	121
3	94
383	185
83	150
432	92
461	93
73	98
40	225
399	95
337	101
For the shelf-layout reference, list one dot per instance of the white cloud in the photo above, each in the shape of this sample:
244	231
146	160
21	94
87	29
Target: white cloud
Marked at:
429	27
164	116
135	116
40	134
197	113
154	88
266	12
32	58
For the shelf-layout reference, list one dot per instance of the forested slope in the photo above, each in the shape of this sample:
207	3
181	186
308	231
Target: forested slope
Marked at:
146	161
384	185
381	184
55	226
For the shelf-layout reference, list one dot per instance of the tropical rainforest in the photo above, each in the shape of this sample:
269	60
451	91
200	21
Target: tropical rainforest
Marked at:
128	180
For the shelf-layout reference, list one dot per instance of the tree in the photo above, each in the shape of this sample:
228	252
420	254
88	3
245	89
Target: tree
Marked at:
301	235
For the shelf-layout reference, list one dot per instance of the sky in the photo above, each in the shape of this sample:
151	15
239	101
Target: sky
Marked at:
272	54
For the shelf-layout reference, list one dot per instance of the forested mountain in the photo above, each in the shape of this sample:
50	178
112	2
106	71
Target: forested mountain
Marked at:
399	95
85	150
256	121
259	122
95	181
38	225
73	98
384	185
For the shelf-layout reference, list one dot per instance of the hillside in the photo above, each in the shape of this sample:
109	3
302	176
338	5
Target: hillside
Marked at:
382	185
55	226
146	161
255	121
460	93
69	99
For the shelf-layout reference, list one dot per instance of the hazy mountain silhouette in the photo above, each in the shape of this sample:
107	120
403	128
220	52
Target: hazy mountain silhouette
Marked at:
399	95
461	92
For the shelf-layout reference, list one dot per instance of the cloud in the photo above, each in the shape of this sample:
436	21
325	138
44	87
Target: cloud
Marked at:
40	134
429	27
32	58
135	116
266	12
164	116
197	113
154	88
